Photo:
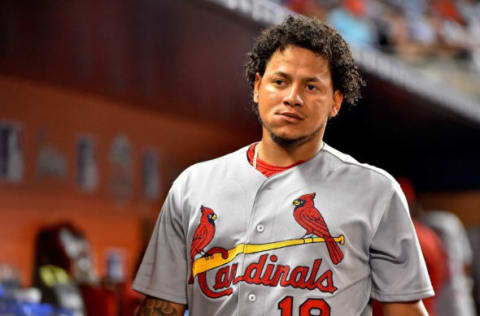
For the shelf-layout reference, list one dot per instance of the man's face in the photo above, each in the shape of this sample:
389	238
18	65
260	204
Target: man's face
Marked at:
295	96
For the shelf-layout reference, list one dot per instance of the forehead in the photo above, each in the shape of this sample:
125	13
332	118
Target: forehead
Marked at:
298	60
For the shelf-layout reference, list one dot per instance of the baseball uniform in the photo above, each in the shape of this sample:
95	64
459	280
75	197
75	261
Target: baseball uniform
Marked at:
320	238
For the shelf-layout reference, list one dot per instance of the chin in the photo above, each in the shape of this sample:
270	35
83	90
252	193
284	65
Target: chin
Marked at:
289	141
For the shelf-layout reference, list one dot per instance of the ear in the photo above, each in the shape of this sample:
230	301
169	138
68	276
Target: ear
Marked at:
256	87
337	103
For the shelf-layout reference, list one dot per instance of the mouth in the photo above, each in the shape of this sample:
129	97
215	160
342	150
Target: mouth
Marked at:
290	115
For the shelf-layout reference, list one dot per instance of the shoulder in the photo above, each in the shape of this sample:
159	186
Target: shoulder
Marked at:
230	160
201	178
217	167
360	179
350	167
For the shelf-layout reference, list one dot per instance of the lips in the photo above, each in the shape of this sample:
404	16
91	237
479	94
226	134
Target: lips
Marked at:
291	115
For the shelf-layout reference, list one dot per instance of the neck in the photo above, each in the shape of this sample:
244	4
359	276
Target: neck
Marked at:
274	154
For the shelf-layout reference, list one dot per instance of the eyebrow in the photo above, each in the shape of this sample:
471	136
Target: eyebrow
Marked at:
285	75
281	73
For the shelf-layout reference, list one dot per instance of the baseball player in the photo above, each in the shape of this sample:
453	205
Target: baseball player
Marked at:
287	226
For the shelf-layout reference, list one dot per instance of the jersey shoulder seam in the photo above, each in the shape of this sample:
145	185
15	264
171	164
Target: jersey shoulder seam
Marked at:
349	160
179	183
231	155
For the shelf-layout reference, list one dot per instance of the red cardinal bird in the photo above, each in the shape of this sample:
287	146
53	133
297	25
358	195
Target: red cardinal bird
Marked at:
310	218
203	234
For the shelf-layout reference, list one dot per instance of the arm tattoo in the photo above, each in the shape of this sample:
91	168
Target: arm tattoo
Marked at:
154	307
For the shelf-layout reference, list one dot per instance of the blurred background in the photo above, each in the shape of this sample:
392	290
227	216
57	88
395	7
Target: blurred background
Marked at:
103	104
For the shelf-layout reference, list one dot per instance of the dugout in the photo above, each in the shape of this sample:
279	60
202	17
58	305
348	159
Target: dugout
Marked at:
168	74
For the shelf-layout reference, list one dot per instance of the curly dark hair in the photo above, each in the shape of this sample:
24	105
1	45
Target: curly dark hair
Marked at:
316	36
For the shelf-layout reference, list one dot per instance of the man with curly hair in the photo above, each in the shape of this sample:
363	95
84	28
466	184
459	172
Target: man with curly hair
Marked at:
288	225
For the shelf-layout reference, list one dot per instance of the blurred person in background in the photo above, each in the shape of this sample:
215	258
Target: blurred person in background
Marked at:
474	237
448	254
231	236
312	8
417	31
470	11
456	297
350	19
395	34
449	26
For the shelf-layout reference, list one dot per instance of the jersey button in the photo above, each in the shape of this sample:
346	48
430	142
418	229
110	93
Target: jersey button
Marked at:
252	297
260	228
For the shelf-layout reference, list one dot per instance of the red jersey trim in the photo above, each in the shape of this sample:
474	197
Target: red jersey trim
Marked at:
267	169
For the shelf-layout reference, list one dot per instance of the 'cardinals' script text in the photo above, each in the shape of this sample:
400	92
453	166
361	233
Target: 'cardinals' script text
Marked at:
267	272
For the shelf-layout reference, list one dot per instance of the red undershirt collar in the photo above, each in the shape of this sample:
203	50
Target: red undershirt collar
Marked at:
267	169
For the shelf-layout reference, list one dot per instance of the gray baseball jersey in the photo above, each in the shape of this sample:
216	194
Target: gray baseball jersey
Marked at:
320	238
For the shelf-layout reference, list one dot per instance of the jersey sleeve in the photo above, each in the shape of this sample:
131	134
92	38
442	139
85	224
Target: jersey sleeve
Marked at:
163	270
398	269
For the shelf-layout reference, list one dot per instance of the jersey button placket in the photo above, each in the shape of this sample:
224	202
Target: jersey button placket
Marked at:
255	234
260	228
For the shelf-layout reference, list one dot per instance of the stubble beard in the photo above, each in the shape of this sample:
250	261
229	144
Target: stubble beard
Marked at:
289	143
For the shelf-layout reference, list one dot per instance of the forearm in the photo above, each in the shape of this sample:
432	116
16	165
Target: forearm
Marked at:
152	306
404	309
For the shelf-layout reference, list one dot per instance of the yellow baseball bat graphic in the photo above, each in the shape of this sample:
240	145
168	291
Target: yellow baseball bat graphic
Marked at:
211	262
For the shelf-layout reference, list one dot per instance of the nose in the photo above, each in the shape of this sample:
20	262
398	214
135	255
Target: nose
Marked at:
293	96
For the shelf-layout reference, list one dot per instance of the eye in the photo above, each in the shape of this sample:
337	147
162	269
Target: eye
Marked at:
278	82
311	87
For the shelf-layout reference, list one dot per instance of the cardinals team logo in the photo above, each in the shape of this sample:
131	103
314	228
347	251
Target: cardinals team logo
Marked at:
310	218
203	234
267	271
